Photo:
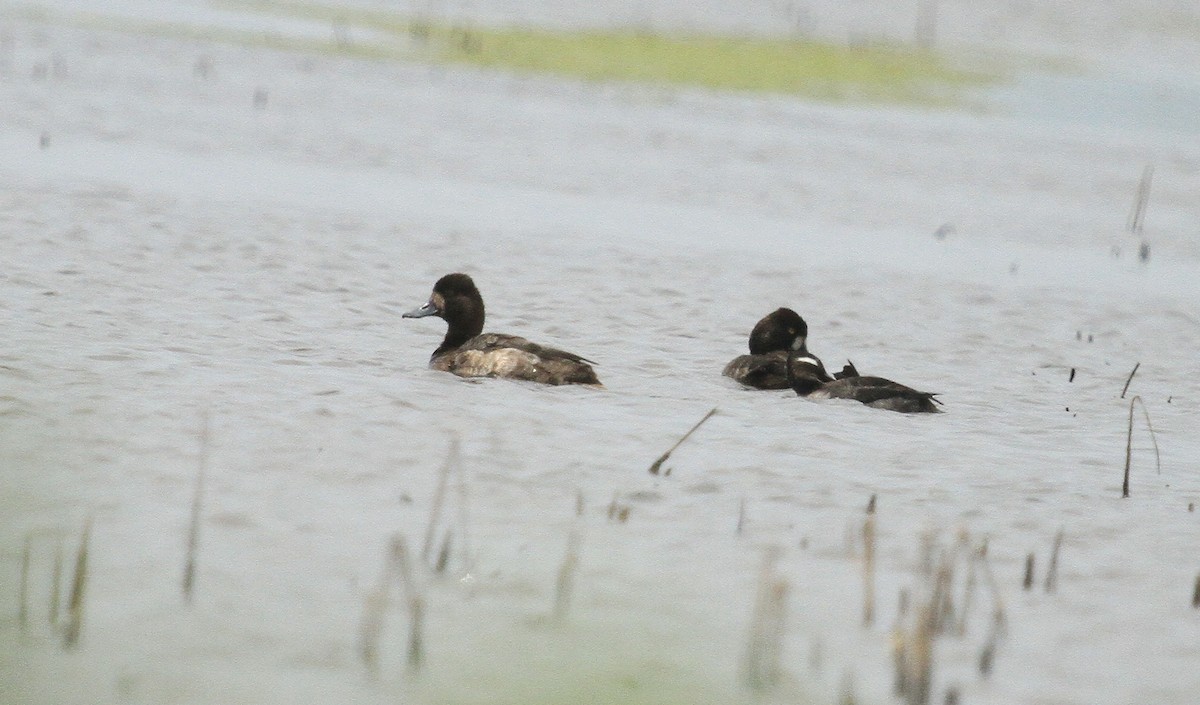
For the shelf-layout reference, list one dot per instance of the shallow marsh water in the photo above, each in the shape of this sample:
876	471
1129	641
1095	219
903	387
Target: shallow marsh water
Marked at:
173	252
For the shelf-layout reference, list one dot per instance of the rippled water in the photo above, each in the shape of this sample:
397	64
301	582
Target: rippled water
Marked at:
174	253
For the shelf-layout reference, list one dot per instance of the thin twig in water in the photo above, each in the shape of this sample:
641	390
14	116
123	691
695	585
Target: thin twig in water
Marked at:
56	583
443	558
1129	444
1196	593
464	520
23	593
741	523
762	667
396	566
439	498
1138	213
1052	568
374	609
78	587
657	465
564	585
869	564
193	539
1130	379
416	602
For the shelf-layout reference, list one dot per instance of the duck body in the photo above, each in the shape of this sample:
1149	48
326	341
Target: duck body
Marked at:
879	393
808	380
766	367
468	352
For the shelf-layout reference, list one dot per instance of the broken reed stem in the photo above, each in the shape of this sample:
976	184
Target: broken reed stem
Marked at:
1128	452
741	523
564	584
764	649
1052	569
396	566
1129	444
193	539
998	612
23	590
464	536
374	609
443	558
1130	378
56	583
78	587
415	653
920	677
1196	593
1138	213
968	596
942	600
657	465
869	565
439	498
1153	436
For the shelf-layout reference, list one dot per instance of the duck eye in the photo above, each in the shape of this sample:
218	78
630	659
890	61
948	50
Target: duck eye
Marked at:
791	331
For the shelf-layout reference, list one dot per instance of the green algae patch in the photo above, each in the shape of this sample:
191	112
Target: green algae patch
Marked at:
811	69
867	72
859	73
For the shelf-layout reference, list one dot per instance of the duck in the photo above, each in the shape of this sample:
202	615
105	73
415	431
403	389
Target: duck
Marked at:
771	340
808	378
469	352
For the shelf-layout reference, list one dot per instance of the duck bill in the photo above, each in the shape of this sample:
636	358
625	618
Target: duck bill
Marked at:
427	309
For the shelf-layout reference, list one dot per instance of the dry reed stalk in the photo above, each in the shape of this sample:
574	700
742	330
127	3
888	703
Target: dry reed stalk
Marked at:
869	564
1027	582
900	647
1141	199
56	584
23	590
396	566
761	667
415	652
564	584
1052	569
443	557
439	498
78	587
193	538
464	520
942	600
968	598
656	466
1130	379
1129	444
920	662
374	610
1196	593
741	522
998	612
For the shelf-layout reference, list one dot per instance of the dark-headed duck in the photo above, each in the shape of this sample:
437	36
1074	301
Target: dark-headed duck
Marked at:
809	379
469	352
766	367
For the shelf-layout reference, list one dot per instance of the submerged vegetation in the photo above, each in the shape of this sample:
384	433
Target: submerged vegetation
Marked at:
786	64
811	68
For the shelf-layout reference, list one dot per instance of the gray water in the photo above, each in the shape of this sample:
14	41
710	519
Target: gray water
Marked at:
174	254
